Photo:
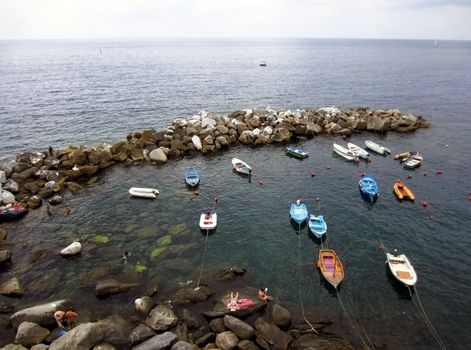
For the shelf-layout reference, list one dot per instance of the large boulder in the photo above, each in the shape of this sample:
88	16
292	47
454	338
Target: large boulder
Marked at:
111	286
197	142
238	327
158	342
42	315
226	340
99	155
141	333
280	315
158	155
11	186
208	123
12	288
116	331
143	305
183	345
190	295
82	337
5	255
161	318
272	335
7	197
3	177
29	334
78	157
246	137
190	318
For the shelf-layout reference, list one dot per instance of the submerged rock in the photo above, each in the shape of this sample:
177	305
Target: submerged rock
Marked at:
12	288
72	249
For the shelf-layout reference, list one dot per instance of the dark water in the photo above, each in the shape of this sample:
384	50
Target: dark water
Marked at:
63	93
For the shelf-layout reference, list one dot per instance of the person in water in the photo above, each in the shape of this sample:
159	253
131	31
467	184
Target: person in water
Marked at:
233	304
262	294
60	318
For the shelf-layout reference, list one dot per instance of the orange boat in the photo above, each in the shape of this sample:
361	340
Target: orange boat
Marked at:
402	191
330	266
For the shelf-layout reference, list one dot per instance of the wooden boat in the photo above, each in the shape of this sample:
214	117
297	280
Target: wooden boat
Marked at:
144	192
298	212
358	151
377	148
344	152
297	152
402	191
331	267
208	220
14	212
369	188
413	161
405	155
241	166
317	225
192	177
402	269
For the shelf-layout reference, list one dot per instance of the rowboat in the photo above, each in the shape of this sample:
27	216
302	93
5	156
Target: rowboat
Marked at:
15	212
401	268
413	161
344	152
297	152
298	212
144	192
317	225
358	151
377	148
402	191
331	267
405	155
208	220
369	188
241	166
192	177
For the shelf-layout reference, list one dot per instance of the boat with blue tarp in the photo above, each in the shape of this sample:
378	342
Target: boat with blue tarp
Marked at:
298	212
192	177
369	188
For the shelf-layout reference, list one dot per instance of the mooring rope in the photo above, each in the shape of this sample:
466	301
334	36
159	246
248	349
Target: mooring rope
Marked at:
300	282
418	304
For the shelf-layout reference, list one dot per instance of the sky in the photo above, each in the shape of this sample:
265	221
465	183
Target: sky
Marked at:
385	19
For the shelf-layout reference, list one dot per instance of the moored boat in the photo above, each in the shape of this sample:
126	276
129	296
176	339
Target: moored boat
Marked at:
344	152
14	212
317	225
241	166
298	152
401	269
358	151
369	188
192	177
144	192
413	161
331	267
402	191
377	148
298	212
208	220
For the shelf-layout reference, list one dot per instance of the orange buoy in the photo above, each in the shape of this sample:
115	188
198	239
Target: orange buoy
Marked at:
260	183
362	174
328	167
409	176
425	204
439	172
425	174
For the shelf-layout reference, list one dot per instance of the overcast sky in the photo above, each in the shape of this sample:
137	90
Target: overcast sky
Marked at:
396	19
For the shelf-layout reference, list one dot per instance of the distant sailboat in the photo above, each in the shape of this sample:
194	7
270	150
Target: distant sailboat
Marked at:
263	64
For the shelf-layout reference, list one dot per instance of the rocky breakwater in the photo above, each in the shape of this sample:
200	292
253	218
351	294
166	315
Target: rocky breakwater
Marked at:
36	177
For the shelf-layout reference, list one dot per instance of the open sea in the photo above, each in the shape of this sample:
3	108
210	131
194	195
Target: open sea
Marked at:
59	93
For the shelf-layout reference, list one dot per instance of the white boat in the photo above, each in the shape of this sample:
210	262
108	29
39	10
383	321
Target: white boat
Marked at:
377	148
344	152
144	192
241	166
402	269
358	151
413	161
208	220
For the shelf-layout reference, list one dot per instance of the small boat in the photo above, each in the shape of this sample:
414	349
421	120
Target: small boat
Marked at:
369	188
402	191
358	151
298	212
263	64
192	177
208	220
317	225
14	212
297	152
331	267
144	192
413	161
402	269
241	166
402	157
377	148
344	152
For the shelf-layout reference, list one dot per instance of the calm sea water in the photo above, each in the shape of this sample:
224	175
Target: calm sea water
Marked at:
88	92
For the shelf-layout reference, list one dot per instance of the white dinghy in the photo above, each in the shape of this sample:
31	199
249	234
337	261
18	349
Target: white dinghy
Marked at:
144	192
344	152
377	148
208	220
402	269
241	166
358	151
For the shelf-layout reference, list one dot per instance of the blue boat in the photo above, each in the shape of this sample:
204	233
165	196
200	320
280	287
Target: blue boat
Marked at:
192	177
317	225
14	213
298	212
297	152
369	188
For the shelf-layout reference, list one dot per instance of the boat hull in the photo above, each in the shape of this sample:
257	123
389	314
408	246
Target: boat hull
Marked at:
241	166
402	191
192	178
402	269
343	152
330	266
297	152
12	214
298	213
358	151
144	192
317	225
369	188
208	221
376	148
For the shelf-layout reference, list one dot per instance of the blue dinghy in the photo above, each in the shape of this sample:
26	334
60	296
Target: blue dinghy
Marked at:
317	225
297	152
369	188
15	212
192	177
298	212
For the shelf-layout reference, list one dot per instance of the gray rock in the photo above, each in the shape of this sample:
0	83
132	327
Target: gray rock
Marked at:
209	140
238	327
12	288
161	318
7	197
11	185
82	337
111	286
29	334
41	314
158	342
3	177
247	345
227	340
5	255
280	315
116	330
55	200
190	318
158	155
34	202
183	345
217	325
104	346
190	295
13	347
144	304
205	339
141	333
246	137
208	123
271	334
40	347
3	236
